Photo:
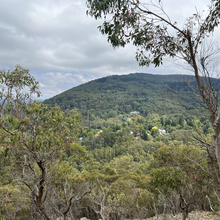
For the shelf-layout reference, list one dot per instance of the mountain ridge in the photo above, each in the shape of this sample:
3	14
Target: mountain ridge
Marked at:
124	93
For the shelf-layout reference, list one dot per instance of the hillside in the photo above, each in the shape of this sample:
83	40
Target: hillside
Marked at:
126	165
134	92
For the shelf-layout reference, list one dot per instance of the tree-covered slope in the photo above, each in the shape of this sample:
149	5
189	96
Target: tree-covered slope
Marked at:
134	92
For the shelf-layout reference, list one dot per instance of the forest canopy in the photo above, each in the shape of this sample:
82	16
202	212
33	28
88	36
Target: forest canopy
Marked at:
136	152
109	164
149	28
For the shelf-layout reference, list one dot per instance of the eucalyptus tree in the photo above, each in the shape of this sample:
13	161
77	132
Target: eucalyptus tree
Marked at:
40	144
146	25
17	87
179	178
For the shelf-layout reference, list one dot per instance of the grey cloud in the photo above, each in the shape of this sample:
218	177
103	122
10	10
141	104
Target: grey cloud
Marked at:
53	83
62	46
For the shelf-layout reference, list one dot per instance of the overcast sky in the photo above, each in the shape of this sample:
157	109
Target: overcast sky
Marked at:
63	48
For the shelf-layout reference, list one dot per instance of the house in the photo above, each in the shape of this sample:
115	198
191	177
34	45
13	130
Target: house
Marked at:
134	113
163	132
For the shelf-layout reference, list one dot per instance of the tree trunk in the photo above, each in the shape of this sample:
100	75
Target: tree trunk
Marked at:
213	166
184	207
214	149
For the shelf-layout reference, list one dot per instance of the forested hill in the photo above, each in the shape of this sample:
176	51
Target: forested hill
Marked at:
125	93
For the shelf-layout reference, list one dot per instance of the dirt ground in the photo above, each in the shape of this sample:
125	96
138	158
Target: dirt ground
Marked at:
195	215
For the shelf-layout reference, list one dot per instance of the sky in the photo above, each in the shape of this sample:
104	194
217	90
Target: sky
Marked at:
62	47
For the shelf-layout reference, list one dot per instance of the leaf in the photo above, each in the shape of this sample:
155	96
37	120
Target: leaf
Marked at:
6	152
15	122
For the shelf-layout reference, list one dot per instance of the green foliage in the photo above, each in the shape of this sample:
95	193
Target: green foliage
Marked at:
171	177
127	21
15	82
46	130
181	170
140	92
38	151
109	171
129	167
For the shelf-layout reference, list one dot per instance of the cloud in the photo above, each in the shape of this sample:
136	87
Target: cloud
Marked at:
53	83
62	46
